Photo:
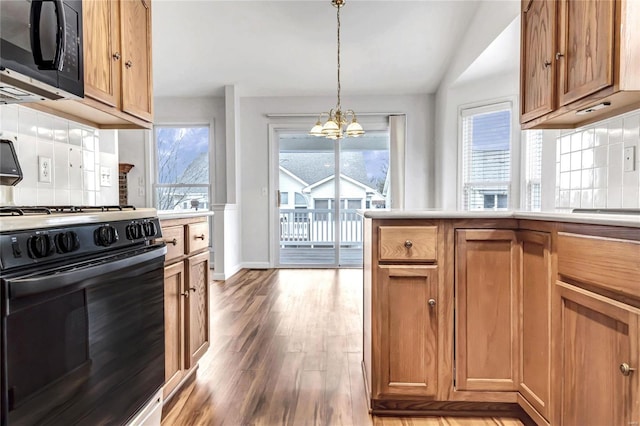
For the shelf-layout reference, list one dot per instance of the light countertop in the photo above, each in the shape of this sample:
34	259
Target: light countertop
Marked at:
177	214
629	220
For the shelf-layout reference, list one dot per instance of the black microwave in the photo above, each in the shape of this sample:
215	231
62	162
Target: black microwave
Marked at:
40	50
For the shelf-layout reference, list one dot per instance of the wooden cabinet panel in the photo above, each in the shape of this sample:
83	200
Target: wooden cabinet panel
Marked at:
587	29
197	236
408	363
487	342
608	263
174	238
136	58
198	307
537	75
595	336
408	243
102	55
535	313
173	326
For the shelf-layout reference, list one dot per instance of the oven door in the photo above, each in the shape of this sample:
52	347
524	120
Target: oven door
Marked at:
83	344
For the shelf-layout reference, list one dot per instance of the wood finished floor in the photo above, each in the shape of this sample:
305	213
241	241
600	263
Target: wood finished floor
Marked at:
286	347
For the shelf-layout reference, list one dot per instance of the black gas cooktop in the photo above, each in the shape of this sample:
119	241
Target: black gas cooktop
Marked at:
36	210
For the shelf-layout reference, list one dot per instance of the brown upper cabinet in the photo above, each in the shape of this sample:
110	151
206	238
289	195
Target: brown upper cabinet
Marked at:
579	61
117	67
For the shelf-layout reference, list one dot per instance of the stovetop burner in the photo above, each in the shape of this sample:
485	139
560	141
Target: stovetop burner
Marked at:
41	210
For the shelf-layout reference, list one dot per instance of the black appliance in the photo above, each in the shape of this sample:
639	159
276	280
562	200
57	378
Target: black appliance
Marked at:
10	172
82	314
40	50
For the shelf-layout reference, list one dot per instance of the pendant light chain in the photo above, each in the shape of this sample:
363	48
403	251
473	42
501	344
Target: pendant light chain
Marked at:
339	105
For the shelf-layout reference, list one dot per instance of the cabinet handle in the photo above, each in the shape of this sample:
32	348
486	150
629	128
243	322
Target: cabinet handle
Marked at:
408	244
559	55
185	294
174	242
432	302
199	237
193	289
116	56
625	369
128	64
547	64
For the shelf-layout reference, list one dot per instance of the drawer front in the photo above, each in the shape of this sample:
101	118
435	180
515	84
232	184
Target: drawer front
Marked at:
608	263
197	236
408	243
174	238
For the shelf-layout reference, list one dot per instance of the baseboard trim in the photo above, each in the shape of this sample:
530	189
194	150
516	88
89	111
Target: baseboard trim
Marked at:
256	265
444	408
219	276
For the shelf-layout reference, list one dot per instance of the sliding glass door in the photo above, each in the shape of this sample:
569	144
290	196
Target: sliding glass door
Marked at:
321	184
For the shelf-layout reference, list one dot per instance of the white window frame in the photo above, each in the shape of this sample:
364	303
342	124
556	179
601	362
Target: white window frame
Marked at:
153	169
489	106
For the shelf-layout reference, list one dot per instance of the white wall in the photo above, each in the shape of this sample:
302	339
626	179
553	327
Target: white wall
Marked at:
491	18
255	154
132	150
79	155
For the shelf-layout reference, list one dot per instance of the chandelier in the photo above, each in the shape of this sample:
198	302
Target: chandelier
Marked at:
337	119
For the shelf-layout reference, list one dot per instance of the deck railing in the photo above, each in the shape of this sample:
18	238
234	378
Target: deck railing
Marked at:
316	228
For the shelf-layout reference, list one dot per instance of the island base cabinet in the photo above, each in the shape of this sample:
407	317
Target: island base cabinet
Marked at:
407	363
598	352
487	277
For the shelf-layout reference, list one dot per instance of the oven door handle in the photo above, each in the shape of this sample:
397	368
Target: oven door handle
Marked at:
33	285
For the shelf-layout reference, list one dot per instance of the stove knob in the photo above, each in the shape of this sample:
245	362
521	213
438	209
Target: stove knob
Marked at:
40	246
67	242
134	231
105	235
149	229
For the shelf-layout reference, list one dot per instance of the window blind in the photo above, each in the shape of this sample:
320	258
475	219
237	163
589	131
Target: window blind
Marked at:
486	157
533	172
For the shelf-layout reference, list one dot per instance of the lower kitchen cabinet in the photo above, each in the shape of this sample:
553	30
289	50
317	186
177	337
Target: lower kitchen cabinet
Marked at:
408	362
486	281
598	356
535	315
186	283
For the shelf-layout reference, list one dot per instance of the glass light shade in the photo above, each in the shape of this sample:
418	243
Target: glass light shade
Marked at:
316	130
330	128
355	129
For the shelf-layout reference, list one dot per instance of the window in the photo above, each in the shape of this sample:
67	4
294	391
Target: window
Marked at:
486	157
284	198
353	204
182	167
533	169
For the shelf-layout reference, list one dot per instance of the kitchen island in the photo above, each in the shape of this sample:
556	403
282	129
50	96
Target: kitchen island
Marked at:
503	313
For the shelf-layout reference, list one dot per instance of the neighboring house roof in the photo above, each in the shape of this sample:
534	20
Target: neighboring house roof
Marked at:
342	176
197	171
294	177
313	167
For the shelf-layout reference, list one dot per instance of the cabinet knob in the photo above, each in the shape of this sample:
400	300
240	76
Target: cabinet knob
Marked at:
174	242
185	294
625	369
200	237
116	56
432	302
128	64
408	244
559	55
547	64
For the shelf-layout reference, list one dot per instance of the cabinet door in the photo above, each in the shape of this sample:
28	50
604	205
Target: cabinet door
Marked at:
136	58
198	307
408	362
535	314
102	57
596	336
174	326
586	41
487	273
537	76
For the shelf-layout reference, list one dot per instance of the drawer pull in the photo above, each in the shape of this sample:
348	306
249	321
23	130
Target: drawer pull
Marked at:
625	369
185	294
199	237
432	302
174	242
408	244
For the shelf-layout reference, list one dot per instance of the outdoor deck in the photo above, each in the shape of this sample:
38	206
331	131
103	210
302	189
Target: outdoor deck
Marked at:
319	256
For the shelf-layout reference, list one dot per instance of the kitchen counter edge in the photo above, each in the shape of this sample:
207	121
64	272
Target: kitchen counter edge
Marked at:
163	215
628	220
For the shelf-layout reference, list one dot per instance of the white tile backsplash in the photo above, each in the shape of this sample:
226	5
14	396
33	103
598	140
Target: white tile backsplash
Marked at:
590	165
74	151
